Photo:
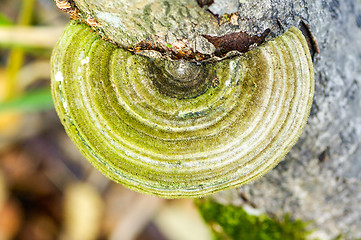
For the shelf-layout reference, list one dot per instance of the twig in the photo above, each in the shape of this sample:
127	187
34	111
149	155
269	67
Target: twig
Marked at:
29	37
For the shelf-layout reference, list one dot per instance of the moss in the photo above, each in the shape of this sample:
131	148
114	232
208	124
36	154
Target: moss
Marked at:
230	222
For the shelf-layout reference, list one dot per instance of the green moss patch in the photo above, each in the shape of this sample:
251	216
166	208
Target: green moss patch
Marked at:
230	222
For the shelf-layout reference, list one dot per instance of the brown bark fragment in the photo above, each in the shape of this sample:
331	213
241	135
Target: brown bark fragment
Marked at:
239	41
203	3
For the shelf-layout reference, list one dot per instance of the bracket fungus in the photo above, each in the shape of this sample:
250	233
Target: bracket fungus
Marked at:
178	128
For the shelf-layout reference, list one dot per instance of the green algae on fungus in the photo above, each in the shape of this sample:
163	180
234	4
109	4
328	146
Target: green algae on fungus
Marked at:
163	127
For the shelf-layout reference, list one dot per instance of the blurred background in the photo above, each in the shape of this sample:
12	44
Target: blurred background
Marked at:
47	189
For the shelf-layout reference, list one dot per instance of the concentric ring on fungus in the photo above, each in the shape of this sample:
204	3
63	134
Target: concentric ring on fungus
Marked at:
161	127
